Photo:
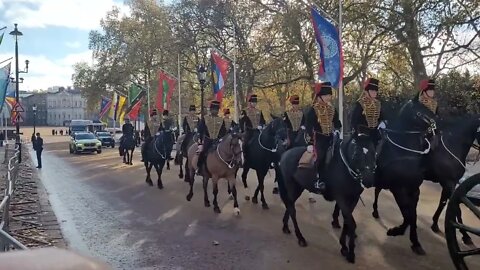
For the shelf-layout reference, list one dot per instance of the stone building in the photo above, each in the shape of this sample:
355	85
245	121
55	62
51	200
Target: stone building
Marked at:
65	105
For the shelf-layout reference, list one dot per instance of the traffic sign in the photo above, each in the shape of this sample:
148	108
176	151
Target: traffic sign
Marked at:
17	108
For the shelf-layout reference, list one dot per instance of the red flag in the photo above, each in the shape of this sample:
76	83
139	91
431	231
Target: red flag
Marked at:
134	112
219	75
166	86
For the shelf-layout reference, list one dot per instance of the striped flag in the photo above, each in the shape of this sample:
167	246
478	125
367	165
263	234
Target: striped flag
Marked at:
4	82
118	102
105	104
219	74
166	86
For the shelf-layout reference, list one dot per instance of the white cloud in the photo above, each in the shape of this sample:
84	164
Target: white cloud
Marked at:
78	14
73	44
44	72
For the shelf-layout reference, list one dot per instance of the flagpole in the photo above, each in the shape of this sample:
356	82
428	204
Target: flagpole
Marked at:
179	93
235	99
340	84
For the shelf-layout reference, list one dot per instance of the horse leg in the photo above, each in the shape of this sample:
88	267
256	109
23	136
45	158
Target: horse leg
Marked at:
188	171
335	214
402	201
260	188
285	228
233	188
168	164
244	180
275	183
216	209
148	168
290	204
413	201
446	192
190	193
205	193
159	168
467	240
180	163
131	156
375	203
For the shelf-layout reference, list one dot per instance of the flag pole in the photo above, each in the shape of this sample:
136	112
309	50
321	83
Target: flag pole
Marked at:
179	93
340	85
235	98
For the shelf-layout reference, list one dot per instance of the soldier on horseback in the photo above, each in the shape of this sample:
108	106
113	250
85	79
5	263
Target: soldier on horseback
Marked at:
324	125
229	123
294	119
153	128
211	129
367	112
252	119
190	121
427	95
127	130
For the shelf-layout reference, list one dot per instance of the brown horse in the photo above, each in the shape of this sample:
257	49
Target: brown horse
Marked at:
222	161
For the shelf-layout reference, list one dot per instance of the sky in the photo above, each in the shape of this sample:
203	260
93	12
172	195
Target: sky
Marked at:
55	36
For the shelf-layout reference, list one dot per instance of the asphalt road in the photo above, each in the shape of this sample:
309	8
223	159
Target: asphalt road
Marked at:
108	211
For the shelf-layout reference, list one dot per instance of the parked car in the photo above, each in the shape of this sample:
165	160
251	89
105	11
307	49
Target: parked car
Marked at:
117	133
106	138
82	142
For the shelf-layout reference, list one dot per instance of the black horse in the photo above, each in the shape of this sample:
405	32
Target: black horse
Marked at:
264	148
126	148
352	163
446	164
156	153
401	163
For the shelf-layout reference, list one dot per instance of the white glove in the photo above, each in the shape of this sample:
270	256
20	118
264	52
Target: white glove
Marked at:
195	130
259	127
382	125
310	148
336	132
303	127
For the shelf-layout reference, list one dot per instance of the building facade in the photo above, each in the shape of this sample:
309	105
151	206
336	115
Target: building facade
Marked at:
64	106
40	116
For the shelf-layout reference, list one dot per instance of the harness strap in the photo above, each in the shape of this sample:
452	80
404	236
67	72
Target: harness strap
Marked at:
274	150
424	152
450	152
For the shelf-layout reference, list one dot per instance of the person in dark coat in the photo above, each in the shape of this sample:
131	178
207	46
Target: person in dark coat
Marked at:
38	147
2	138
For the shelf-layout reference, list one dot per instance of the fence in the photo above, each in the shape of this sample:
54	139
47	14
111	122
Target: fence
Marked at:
6	240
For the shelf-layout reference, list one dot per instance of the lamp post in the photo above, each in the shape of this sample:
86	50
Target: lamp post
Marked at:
34	109
16	34
202	75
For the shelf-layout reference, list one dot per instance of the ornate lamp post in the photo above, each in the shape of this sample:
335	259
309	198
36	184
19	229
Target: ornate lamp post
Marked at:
16	35
202	75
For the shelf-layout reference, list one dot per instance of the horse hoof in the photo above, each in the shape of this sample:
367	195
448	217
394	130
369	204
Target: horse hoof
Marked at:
216	209
254	200
344	251
302	242
286	230
468	241
435	228
312	200
230	197
265	206
336	225
275	190
247	198
236	211
375	214
149	182
350	258
207	204
418	250
189	197
180	175
160	186
186	181
395	231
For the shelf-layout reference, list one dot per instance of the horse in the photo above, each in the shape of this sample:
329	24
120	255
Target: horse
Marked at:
400	164
156	153
126	149
183	143
353	162
264	148
222	161
446	164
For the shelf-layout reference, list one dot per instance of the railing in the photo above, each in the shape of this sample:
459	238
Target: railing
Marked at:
6	240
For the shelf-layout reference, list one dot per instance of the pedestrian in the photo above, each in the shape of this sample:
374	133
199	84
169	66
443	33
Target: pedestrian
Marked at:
53	132
38	147
61	132
2	138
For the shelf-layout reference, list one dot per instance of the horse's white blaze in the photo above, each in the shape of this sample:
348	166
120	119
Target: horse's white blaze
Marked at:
365	151
236	211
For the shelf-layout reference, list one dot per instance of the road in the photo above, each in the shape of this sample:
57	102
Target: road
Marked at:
107	211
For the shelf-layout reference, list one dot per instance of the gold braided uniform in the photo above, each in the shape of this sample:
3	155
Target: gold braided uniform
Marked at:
325	113
192	121
295	117
254	116
430	103
228	123
214	124
154	123
371	110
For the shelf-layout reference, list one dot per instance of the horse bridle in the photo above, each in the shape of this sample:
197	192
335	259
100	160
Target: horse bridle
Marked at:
355	175
230	164
164	156
274	150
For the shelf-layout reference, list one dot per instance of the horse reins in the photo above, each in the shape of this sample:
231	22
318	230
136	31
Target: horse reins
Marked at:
231	163
450	152
274	150
424	152
156	148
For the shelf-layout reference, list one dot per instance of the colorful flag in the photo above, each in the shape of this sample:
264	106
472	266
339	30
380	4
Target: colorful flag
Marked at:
4	81
166	86
136	100
113	106
118	102
133	92
330	47
120	112
135	109
219	74
105	104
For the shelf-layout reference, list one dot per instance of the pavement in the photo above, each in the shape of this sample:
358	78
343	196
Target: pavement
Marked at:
106	210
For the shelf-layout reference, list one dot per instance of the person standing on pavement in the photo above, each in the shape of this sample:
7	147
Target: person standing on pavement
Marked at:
38	147
2	138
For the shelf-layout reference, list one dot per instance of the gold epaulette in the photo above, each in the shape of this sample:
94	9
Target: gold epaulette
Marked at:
371	110
325	113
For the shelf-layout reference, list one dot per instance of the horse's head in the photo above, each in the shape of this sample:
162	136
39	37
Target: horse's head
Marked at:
278	130
419	116
233	140
361	156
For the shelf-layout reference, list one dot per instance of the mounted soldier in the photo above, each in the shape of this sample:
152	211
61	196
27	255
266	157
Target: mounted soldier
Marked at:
324	124
153	129
427	95
294	119
229	123
367	112
252	120
190	121
211	129
167	123
127	130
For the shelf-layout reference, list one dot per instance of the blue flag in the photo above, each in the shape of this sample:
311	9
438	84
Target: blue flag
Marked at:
330	47
4	81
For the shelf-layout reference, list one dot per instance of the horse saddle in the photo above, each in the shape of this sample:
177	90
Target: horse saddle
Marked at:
308	158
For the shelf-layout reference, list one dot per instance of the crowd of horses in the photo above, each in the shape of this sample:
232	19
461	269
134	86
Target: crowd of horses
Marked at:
417	146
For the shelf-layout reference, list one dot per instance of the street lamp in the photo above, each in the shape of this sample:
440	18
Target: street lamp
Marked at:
202	75
34	109
16	34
